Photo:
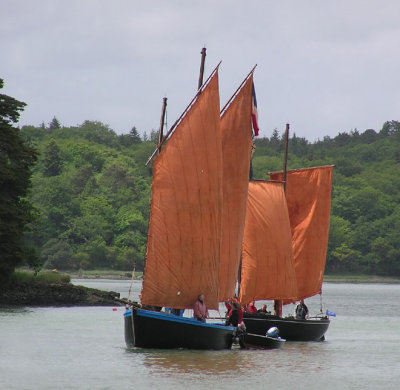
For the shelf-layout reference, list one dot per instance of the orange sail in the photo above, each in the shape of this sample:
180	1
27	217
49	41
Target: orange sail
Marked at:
267	258
183	248
308	193
236	151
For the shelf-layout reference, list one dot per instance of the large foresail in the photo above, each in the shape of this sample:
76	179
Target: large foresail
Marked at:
236	151
184	235
308	193
267	257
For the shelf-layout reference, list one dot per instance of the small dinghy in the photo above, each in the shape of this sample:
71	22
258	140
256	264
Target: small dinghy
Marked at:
270	341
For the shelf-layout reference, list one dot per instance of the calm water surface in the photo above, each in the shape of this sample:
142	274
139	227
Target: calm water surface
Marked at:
84	348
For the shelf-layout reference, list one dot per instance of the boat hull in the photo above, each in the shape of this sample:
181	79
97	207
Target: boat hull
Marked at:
148	329
289	328
263	342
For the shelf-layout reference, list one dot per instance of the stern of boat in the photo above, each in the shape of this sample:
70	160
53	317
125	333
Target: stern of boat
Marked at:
129	331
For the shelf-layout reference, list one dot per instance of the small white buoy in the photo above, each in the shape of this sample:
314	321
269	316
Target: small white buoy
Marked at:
178	293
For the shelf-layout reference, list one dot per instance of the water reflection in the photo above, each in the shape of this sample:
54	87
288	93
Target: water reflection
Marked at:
304	357
191	362
14	311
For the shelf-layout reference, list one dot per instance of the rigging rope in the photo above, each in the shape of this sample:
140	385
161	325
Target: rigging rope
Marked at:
133	277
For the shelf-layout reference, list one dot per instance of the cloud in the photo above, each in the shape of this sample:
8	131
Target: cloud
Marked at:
323	67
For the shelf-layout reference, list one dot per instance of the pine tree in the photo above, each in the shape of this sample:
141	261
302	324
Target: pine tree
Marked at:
54	124
52	160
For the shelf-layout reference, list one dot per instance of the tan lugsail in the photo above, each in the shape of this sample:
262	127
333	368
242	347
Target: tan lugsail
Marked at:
236	152
308	193
267	258
183	249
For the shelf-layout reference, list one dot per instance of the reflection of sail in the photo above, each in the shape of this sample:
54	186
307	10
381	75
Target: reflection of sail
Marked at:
194	363
183	248
267	260
236	148
308	193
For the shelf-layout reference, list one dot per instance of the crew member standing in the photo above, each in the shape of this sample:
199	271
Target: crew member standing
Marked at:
200	311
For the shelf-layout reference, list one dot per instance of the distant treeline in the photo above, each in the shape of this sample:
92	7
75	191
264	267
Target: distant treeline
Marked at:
91	193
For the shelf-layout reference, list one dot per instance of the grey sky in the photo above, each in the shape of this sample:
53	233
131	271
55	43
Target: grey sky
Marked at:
324	67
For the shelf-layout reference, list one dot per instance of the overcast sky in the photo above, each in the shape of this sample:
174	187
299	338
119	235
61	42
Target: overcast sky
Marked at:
324	67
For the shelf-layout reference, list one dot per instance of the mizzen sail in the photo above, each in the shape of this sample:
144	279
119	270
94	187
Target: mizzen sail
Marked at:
308	193
267	258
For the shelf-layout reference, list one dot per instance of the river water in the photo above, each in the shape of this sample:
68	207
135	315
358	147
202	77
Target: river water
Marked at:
84	348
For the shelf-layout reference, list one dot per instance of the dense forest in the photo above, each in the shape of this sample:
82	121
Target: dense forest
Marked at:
91	192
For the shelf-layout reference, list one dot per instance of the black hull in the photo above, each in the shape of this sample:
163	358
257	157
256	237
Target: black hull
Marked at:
289	328
148	329
264	342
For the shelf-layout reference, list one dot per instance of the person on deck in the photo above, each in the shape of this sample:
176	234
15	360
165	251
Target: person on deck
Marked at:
200	311
251	308
263	310
235	317
301	311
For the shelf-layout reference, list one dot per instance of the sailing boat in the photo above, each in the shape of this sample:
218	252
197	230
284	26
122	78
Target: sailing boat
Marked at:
284	248
183	246
185	228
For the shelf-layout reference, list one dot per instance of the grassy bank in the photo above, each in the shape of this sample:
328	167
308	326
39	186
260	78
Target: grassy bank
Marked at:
103	274
43	277
360	279
66	276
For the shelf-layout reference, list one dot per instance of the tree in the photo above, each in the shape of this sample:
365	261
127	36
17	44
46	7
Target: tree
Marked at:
16	212
130	139
54	124
275	141
52	160
154	136
135	136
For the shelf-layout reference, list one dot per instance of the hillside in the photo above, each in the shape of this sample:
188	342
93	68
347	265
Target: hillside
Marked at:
91	190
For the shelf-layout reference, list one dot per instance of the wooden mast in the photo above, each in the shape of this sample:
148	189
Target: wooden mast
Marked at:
160	131
277	302
285	156
203	60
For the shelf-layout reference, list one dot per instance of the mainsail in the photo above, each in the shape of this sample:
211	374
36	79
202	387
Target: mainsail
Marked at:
267	259
236	151
308	194
184	236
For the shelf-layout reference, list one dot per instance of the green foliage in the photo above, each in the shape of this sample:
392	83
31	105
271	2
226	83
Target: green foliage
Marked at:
92	189
92	197
54	124
16	212
130	139
44	277
52	160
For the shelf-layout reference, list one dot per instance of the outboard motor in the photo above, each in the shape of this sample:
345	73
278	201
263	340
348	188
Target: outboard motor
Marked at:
272	332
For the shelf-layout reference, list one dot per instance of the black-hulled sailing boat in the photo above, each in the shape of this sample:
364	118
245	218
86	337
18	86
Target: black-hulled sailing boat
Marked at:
284	248
183	246
186	250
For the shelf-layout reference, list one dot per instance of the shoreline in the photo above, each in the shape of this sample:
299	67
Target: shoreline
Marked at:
361	279
327	278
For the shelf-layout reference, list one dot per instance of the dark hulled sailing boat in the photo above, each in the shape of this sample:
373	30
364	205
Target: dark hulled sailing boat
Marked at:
297	224
186	230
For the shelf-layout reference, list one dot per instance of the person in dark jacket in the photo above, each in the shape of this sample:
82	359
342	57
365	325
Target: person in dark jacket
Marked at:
301	311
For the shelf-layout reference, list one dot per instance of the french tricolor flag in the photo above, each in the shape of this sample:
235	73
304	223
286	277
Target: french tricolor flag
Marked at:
254	113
